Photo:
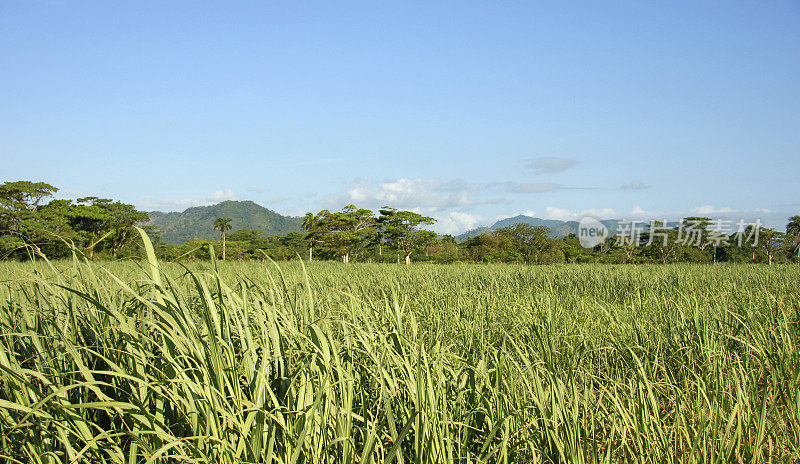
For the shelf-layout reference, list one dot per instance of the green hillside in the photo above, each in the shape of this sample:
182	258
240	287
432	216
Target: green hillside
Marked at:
558	229
197	222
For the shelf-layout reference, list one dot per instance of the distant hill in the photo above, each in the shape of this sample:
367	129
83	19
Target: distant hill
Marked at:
198	222
558	229
473	233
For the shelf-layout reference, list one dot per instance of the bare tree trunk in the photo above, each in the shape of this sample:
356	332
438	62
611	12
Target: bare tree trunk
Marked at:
223	246
91	248
346	258
408	259
770	258
310	253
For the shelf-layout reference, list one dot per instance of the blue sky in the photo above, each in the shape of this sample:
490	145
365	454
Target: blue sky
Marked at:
468	111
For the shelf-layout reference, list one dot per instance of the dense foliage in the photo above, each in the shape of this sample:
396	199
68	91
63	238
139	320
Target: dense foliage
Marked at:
363	238
247	362
104	227
29	226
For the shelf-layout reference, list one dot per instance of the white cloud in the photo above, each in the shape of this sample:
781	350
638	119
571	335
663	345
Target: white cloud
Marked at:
221	195
180	204
635	185
446	201
552	212
548	164
456	222
404	193
449	202
529	213
708	209
603	213
639	212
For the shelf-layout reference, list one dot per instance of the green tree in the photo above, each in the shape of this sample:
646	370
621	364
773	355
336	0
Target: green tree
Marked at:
771	241
49	228
347	232
445	251
447	238
91	220
491	248
26	220
692	240
25	223
244	235
660	242
532	243
793	231
123	218
223	225
294	243
104	219
311	224
18	200
24	195
401	229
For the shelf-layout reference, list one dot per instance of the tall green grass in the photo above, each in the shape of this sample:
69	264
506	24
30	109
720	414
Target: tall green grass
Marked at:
254	362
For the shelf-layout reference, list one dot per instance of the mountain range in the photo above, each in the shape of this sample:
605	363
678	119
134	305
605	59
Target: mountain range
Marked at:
198	222
558	229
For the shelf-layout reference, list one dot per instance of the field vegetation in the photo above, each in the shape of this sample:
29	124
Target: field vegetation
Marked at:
225	362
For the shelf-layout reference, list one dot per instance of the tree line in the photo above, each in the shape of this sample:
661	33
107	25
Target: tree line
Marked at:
32	222
356	234
30	225
352	234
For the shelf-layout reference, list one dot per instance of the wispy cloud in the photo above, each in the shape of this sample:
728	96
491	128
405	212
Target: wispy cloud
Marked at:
635	185
639	213
548	164
535	187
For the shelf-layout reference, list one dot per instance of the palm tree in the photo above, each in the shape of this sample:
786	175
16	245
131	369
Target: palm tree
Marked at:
310	223
793	229
223	225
